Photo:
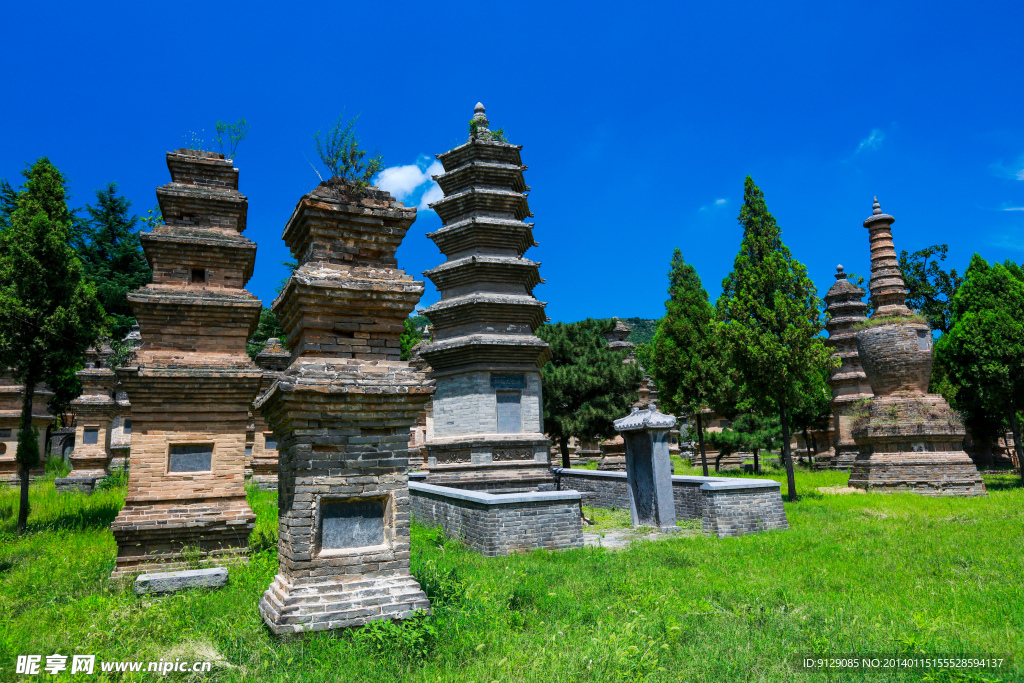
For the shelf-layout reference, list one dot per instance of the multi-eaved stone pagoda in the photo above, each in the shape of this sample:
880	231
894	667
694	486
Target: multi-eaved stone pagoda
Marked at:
192	382
342	413
850	388
488	412
908	439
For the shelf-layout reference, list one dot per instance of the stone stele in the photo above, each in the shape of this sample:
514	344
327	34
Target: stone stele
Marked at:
342	413
191	382
907	439
649	468
488	411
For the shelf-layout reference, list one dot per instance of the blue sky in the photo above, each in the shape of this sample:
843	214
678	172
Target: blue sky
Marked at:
639	121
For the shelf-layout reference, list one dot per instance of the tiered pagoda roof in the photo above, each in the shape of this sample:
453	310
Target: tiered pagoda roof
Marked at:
487	314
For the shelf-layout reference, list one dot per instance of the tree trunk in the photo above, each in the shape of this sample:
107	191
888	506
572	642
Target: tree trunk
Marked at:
787	457
807	445
26	427
814	444
757	461
700	440
1017	446
563	445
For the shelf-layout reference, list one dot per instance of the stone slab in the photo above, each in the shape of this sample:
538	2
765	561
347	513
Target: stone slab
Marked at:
172	582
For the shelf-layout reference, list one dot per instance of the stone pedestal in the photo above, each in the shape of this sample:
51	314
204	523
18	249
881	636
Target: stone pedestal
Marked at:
488	412
613	455
191	383
342	412
907	439
649	468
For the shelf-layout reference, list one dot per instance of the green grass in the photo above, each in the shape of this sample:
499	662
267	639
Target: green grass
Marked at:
853	574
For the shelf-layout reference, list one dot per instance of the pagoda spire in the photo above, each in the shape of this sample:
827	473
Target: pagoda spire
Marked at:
888	290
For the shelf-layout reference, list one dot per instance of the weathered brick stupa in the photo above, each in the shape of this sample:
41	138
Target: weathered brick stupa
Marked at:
850	388
342	413
121	429
908	439
273	360
192	382
95	410
486	359
12	395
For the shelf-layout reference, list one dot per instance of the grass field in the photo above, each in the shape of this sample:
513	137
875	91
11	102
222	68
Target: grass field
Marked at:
854	574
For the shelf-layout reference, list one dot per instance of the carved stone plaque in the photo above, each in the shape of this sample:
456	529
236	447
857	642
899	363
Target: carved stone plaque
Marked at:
512	454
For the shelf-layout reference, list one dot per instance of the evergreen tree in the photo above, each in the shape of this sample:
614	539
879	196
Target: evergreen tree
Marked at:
930	289
984	351
410	337
586	385
771	318
749	432
685	355
268	327
812	409
49	313
111	254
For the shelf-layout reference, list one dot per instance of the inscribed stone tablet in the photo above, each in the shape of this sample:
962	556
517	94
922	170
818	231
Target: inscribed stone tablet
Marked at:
510	414
508	381
351	524
191	457
91	436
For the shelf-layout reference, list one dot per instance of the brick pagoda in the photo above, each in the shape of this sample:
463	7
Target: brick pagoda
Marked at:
191	383
488	413
342	412
273	360
850	388
908	439
121	430
12	395
95	412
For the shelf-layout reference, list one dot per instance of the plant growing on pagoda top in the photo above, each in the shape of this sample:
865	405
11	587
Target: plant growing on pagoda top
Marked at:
340	152
497	135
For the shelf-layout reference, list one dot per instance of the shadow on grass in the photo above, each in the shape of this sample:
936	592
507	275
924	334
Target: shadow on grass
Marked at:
1003	483
51	510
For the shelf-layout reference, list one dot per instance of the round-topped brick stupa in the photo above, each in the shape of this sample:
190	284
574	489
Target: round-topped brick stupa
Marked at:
850	388
908	439
488	413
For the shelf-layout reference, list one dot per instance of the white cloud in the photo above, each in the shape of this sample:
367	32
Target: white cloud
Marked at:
1014	208
412	183
720	202
717	204
872	141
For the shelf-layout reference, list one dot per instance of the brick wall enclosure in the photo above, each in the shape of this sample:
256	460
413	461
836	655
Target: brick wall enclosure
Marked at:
496	525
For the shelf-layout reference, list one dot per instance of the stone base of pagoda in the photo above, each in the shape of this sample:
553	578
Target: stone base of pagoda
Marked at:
613	455
264	474
495	463
119	458
843	458
913	443
315	604
167	535
89	464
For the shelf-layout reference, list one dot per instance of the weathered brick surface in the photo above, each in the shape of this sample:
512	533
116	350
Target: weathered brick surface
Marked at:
496	525
191	381
12	394
341	412
737	512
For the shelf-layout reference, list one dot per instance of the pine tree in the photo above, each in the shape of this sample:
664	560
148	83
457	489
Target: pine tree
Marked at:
983	353
409	338
771	317
812	408
268	327
749	432
586	385
112	256
49	313
685	354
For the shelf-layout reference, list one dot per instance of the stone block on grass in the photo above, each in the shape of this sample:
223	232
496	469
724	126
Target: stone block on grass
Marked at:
172	582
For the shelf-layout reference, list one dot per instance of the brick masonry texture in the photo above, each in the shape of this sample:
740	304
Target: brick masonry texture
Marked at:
191	382
341	412
496	525
725	512
11	397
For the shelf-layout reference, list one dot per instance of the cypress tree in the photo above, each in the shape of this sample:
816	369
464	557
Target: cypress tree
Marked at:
771	316
686	357
49	313
586	385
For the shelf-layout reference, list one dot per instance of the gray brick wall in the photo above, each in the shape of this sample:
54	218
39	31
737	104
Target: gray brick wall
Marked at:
465	404
736	512
496	525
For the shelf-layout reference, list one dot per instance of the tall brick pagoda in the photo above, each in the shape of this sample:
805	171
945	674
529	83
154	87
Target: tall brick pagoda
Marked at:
342	413
12	396
845	306
488	413
273	360
908	439
95	412
191	383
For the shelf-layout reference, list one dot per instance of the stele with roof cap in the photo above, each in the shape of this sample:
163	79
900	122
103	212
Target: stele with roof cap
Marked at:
649	468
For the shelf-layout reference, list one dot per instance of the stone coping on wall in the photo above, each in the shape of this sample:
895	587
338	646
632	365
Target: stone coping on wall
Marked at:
483	498
706	483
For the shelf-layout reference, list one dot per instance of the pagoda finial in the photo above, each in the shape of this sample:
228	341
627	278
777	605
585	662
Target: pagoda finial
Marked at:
839	272
876	208
479	114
